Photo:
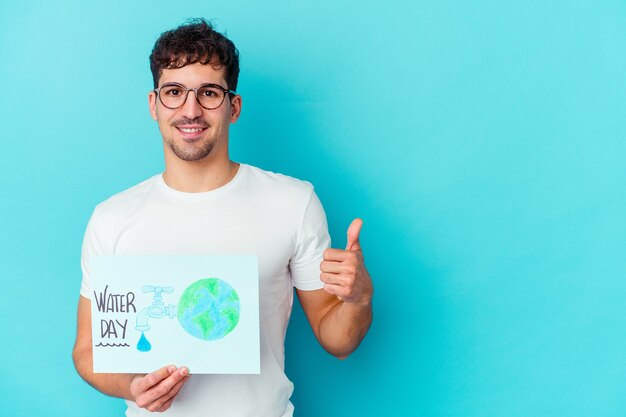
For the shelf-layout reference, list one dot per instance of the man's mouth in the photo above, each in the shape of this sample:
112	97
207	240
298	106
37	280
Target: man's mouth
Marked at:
191	133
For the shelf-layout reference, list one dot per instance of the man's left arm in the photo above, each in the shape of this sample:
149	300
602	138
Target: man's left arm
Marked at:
341	313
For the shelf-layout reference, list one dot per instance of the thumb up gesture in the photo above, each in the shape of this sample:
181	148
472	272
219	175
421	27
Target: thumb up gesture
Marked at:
343	271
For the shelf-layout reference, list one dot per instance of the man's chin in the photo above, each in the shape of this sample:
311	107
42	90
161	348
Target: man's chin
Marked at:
191	154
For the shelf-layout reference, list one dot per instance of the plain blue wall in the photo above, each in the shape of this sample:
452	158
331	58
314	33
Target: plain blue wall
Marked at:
483	143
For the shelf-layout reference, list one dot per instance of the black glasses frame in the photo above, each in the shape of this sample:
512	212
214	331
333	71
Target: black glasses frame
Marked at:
195	91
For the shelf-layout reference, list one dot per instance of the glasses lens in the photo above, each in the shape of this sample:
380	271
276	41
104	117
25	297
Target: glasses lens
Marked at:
172	95
210	97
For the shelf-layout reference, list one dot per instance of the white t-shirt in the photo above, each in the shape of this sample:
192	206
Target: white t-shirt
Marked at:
278	218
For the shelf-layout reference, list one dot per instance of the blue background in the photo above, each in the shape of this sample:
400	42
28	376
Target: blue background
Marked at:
482	142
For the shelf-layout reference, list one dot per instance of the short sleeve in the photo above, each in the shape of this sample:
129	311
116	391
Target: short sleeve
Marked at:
313	240
93	244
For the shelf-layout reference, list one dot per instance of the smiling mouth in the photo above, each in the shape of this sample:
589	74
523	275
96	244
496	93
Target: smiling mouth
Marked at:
191	133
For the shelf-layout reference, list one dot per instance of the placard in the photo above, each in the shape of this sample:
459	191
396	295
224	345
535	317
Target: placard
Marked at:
198	311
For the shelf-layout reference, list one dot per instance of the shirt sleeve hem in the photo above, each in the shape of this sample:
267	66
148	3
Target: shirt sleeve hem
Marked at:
309	286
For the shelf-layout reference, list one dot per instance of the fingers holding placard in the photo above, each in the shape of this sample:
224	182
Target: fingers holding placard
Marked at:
157	390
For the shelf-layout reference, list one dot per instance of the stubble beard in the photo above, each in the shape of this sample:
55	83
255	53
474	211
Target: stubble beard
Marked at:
194	151
191	153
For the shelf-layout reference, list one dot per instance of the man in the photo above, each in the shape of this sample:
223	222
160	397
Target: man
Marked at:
204	203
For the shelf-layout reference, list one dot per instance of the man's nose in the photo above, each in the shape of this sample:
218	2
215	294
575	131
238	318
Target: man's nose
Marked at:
191	107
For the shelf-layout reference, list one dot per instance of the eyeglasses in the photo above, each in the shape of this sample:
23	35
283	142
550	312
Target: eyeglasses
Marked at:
210	96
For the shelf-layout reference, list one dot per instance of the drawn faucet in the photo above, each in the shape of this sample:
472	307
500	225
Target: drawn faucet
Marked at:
157	309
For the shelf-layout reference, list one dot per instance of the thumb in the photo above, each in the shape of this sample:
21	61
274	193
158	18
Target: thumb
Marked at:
353	235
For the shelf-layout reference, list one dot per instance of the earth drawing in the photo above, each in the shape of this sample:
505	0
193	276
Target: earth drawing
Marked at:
209	309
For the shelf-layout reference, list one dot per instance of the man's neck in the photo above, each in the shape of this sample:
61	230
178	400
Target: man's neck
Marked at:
197	177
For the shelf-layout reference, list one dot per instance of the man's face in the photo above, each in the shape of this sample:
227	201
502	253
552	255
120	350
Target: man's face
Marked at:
192	132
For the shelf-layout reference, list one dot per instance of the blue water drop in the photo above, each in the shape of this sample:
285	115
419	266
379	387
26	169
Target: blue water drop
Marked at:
143	345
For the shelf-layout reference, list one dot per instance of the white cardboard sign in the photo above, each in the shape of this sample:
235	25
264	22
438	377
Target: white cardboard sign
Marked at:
198	311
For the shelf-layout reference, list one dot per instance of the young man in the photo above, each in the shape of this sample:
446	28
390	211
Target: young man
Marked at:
204	203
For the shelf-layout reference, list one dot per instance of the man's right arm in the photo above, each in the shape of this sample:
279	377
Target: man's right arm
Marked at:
155	391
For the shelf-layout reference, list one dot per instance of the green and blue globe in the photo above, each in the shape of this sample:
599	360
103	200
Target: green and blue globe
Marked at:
209	309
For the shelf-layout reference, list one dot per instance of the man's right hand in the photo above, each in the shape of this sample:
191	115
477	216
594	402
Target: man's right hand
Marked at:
156	391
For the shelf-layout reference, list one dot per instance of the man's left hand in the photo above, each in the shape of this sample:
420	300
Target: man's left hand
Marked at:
343	271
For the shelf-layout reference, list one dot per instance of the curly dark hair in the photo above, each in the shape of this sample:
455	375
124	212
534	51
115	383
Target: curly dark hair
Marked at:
194	41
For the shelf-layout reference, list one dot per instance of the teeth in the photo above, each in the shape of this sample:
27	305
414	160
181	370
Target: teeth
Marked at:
190	130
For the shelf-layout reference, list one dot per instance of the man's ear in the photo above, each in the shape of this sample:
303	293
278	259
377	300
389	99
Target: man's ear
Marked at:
152	98
235	108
